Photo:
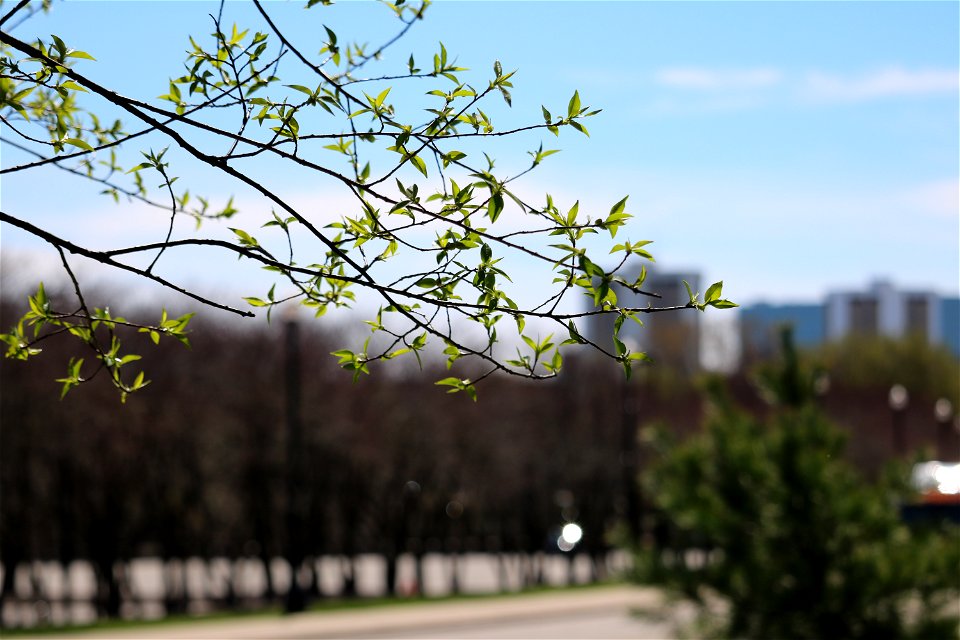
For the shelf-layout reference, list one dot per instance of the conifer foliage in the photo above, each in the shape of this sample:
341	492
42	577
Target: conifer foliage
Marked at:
797	544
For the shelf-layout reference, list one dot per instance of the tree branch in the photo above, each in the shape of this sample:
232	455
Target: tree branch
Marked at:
104	258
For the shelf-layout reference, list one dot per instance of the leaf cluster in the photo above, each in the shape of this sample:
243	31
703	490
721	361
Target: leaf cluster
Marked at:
98	330
426	188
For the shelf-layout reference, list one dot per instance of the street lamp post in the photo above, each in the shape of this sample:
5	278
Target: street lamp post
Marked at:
296	597
943	414
628	459
898	399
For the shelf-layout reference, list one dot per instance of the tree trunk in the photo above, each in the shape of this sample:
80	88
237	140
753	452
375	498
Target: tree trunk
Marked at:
9	583
270	590
349	589
108	589
393	560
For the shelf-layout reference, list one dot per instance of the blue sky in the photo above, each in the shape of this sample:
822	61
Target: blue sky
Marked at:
789	149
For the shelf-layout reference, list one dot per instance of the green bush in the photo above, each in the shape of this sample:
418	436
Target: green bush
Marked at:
798	545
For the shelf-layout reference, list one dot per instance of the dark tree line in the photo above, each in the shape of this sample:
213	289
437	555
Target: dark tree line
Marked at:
196	465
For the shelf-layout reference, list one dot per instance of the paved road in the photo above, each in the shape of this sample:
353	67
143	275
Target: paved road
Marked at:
598	613
581	625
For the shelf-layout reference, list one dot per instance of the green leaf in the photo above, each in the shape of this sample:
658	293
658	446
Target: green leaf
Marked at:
419	164
713	292
61	47
690	293
495	207
456	385
331	35
300	88
245	238
80	54
530	342
419	342
618	208
579	127
575	337
77	142
68	84
139	382
557	362
73	376
573	107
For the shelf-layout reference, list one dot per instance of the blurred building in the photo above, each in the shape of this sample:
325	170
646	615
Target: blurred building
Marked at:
672	339
884	310
950	312
759	324
880	310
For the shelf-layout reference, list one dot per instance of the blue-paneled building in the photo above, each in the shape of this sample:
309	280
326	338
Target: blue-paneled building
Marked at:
950	323
759	326
881	309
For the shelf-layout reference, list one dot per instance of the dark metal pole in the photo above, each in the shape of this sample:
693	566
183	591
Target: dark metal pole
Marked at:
898	399
296	597
943	414
628	459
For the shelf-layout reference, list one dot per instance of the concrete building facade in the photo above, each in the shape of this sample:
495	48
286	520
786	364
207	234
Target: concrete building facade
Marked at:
884	310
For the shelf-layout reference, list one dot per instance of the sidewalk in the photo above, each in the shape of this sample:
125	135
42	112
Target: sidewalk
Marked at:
403	619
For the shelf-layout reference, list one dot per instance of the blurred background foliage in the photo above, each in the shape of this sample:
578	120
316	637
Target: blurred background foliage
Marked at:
776	535
194	466
880	362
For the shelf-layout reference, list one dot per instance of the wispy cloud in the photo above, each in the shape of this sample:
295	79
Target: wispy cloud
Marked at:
705	79
937	198
891	81
715	103
726	89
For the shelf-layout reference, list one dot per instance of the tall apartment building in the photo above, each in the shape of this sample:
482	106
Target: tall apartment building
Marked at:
883	310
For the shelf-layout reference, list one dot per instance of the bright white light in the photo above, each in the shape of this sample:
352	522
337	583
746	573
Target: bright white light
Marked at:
948	478
937	476
569	536
572	533
898	397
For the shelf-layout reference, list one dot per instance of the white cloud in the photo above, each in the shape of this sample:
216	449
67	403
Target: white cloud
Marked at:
939	198
715	103
704	79
891	81
727	90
